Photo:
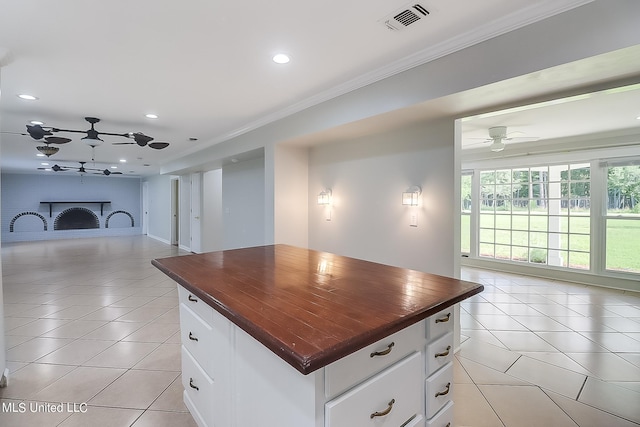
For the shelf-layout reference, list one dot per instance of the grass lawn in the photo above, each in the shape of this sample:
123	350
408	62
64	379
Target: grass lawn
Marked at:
513	233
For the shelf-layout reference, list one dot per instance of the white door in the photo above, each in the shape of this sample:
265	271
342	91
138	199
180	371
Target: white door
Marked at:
145	208
196	212
175	200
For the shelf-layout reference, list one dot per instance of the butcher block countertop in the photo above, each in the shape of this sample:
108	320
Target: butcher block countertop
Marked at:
312	308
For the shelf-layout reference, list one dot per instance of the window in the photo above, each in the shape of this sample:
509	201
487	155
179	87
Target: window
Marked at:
623	219
465	210
536	215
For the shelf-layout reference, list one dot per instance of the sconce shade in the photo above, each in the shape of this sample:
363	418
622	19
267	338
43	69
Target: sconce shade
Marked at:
324	198
411	195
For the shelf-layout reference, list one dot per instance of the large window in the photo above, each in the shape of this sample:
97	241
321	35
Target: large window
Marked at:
623	219
536	215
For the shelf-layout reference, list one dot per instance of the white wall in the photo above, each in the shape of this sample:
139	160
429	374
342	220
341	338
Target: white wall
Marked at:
212	228
160	208
291	193
243	204
367	177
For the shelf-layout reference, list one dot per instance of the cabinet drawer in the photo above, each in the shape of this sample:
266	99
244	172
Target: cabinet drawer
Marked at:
388	399
444	418
439	389
440	323
194	303
439	353
198	387
351	370
200	338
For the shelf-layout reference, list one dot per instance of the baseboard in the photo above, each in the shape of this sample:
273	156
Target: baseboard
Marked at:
160	239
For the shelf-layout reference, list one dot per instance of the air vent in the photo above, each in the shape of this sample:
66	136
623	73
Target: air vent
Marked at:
404	17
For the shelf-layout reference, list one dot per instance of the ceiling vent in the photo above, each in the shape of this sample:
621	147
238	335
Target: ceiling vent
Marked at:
404	17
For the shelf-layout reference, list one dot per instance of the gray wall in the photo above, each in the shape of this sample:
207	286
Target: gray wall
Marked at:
243	204
23	193
160	207
367	177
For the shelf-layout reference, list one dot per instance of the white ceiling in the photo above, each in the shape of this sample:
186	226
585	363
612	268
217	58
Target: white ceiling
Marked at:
205	67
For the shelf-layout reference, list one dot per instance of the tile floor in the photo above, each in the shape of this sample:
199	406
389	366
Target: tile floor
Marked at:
537	352
91	321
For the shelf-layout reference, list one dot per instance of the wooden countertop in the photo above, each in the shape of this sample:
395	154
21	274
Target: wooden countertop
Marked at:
312	308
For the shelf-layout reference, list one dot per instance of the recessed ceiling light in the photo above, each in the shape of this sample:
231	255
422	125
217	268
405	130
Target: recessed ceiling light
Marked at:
123	160
36	122
44	164
151	116
27	97
39	155
281	58
114	167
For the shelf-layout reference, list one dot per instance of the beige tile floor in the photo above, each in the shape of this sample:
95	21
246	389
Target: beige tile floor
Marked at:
91	321
537	352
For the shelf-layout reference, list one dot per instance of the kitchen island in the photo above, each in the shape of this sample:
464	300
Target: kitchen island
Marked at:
284	336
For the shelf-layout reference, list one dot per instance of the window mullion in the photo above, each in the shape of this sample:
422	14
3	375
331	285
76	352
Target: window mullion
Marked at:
598	217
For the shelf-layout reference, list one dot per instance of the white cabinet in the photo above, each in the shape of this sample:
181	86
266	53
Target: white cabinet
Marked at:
231	380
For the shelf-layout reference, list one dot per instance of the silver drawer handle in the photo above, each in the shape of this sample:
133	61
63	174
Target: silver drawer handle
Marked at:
193	386
443	354
444	318
192	298
192	338
446	391
386	411
383	353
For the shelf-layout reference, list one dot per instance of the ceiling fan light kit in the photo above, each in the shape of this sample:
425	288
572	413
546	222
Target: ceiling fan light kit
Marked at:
47	150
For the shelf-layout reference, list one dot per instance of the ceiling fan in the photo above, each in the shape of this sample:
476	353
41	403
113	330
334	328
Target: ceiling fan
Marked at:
81	169
93	136
497	136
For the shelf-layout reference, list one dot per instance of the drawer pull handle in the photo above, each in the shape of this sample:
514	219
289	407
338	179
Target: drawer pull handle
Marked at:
443	354
444	318
383	353
192	338
192	298
193	386
386	411
446	391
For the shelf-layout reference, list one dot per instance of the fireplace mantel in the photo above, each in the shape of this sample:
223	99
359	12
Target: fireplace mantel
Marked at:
77	202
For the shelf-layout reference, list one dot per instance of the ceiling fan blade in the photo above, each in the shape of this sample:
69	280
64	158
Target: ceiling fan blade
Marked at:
123	143
37	132
141	139
57	140
159	145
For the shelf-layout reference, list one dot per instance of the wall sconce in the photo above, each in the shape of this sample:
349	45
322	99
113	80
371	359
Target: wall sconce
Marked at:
411	195
324	198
